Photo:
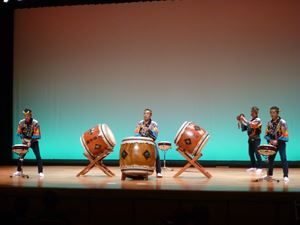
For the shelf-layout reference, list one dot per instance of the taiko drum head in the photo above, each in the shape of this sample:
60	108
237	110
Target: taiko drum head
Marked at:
20	149
267	150
164	145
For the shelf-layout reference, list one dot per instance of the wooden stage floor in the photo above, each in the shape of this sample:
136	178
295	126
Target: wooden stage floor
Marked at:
224	179
225	199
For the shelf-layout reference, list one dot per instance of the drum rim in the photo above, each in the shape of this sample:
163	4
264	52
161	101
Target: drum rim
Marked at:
20	145
137	169
201	142
108	137
84	145
267	145
262	149
142	140
164	143
180	131
138	138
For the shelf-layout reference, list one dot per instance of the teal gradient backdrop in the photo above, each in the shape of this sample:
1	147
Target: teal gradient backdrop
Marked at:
202	61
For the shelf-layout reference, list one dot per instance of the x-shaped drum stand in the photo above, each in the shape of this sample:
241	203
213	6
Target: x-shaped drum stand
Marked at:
192	161
96	161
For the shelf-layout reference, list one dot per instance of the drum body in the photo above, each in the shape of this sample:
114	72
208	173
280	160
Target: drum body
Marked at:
191	137
98	139
267	150
20	149
137	156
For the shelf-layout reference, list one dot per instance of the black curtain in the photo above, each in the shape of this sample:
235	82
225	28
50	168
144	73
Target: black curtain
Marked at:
6	82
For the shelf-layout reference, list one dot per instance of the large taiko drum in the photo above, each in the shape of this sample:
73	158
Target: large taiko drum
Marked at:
137	156
98	139
191	137
267	150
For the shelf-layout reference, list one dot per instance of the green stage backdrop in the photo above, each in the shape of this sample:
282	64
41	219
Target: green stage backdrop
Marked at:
201	61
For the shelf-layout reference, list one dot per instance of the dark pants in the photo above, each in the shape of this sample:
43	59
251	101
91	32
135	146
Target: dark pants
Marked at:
158	164
253	146
282	152
36	150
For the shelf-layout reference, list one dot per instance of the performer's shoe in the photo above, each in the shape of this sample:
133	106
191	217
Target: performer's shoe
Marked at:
268	178
258	171
286	179
159	175
41	175
252	169
18	174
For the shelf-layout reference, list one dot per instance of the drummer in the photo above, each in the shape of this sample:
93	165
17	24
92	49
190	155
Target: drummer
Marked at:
149	128
29	132
253	128
277	135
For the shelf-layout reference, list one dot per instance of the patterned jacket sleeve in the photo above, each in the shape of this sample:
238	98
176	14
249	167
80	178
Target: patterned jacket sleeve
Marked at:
153	132
244	127
267	133
36	131
254	124
137	129
284	132
19	131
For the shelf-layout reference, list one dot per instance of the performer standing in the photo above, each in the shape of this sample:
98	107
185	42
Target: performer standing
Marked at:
29	132
277	135
253	128
149	128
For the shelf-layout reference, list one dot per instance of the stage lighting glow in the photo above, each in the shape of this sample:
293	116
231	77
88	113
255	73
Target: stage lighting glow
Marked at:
185	59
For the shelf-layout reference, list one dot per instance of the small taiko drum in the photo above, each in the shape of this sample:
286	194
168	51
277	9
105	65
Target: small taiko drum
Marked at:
98	139
267	150
164	145
20	149
137	156
191	137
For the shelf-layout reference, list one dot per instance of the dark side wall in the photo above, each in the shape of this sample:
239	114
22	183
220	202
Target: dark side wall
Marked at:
6	79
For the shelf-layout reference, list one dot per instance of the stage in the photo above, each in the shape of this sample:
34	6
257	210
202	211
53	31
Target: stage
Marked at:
226	198
224	179
94	69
